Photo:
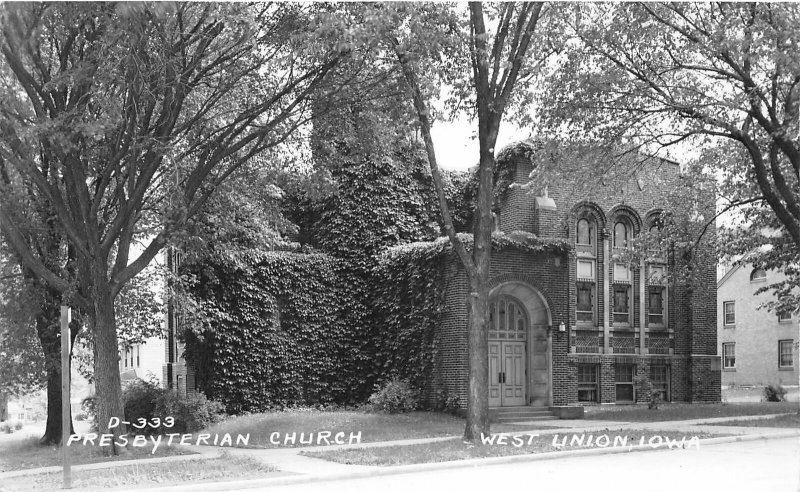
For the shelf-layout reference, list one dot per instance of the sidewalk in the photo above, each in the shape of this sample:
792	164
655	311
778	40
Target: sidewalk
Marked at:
297	468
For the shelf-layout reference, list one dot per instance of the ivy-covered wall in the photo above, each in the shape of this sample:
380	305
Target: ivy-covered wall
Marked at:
298	328
284	329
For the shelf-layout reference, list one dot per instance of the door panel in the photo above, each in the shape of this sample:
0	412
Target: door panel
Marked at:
495	368
514	368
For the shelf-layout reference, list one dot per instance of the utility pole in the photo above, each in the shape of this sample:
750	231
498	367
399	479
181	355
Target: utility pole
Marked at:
66	315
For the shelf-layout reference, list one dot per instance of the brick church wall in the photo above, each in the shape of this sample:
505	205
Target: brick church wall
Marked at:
693	363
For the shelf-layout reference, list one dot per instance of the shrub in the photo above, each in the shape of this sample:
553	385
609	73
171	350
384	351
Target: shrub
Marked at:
396	396
17	425
774	392
89	408
139	400
6	427
447	402
191	412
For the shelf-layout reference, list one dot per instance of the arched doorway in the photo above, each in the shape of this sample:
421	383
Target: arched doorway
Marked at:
519	367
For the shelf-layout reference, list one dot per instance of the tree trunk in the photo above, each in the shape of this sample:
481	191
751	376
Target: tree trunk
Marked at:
478	401
106	363
478	406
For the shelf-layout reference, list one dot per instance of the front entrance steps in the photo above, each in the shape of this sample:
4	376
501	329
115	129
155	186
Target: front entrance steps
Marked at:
510	415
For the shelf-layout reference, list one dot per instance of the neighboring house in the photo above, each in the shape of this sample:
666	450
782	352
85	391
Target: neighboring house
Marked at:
570	323
142	361
758	347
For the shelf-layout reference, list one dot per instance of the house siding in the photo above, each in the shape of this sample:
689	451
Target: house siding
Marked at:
756	332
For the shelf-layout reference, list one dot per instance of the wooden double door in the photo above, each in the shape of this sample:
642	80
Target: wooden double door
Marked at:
507	373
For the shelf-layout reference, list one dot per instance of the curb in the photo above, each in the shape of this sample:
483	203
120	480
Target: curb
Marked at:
470	463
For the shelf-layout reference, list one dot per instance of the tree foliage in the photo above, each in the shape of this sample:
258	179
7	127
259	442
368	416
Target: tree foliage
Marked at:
127	117
660	77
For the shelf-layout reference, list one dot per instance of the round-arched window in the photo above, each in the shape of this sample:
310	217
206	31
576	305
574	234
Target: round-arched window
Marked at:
584	232
758	274
621	234
507	320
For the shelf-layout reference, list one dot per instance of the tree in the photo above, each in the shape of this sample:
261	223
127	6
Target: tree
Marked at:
499	58
667	77
126	117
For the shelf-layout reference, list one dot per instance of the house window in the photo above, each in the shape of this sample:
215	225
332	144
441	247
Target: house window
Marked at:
784	317
728	355
624	374
785	353
758	275
137	356
729	308
655	306
587	382
584	232
659	377
584	307
621	235
621	311
126	357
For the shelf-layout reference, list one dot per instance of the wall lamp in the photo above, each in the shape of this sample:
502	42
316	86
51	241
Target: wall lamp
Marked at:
562	327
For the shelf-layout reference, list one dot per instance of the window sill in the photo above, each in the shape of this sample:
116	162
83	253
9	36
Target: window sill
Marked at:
729	326
785	321
788	368
728	369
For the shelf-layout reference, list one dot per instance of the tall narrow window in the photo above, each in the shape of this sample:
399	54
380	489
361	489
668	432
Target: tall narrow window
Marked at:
621	235
587	382
585	303
729	308
621	307
728	355
785	353
659	377
624	381
655	306
584	232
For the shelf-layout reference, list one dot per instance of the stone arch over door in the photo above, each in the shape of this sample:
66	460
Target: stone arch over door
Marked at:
538	351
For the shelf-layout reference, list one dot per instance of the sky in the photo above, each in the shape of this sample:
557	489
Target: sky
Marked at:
456	142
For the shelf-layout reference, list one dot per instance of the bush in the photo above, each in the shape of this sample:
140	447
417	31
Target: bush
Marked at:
17	425
89	409
191	412
147	400
447	402
139	400
6	427
774	392
396	396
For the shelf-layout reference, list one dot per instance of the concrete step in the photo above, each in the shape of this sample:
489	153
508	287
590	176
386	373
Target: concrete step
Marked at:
507	415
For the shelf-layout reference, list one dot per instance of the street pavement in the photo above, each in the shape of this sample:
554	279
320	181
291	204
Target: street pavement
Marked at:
753	466
765	460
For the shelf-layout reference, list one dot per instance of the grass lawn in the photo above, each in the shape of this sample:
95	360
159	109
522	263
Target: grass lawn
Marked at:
792	420
685	411
374	427
19	453
456	449
137	476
